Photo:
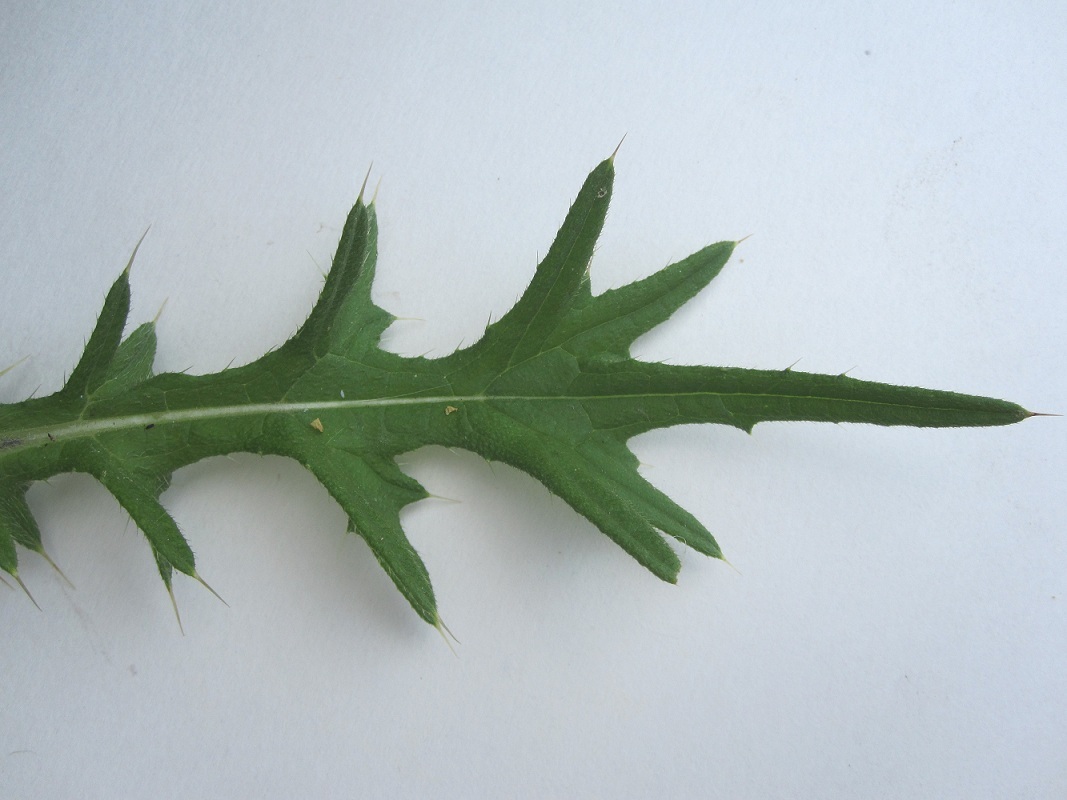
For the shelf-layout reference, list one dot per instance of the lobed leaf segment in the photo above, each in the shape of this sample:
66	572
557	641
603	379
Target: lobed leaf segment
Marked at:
550	388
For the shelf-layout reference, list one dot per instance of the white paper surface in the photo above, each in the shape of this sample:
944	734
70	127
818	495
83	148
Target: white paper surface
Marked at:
895	624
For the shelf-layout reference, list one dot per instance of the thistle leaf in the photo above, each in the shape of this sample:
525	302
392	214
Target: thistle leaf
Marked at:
551	389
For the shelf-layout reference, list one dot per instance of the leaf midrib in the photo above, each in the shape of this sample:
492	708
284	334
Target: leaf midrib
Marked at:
103	425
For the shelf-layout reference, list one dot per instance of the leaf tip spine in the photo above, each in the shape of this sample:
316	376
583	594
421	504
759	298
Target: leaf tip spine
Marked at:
446	634
728	563
196	576
43	554
159	313
363	187
18	363
18	580
611	158
174	605
133	255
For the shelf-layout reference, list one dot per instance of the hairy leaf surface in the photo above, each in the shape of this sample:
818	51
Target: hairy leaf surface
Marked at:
550	388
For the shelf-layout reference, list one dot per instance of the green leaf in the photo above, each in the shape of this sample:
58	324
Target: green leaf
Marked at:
551	388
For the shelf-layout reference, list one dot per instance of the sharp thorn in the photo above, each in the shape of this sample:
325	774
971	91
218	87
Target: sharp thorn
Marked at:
6	370
27	591
136	247
726	561
196	576
174	605
363	188
616	150
318	266
159	313
442	629
55	566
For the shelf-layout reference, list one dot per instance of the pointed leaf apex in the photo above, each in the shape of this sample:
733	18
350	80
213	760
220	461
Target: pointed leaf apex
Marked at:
611	158
133	255
159	313
55	566
174	605
202	582
6	370
363	186
15	575
446	634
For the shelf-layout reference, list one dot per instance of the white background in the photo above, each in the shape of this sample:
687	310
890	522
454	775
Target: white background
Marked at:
896	623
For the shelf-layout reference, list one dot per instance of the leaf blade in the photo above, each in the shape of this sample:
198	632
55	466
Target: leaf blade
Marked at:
551	389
